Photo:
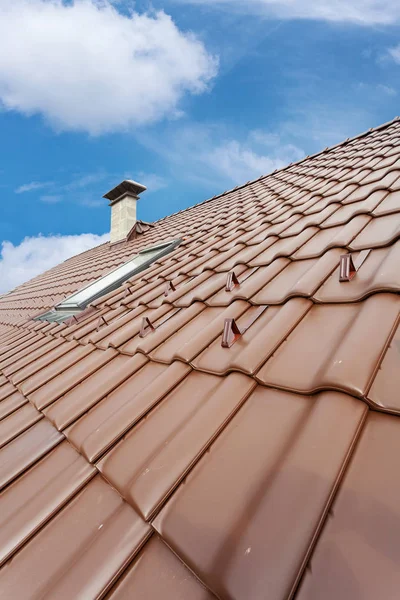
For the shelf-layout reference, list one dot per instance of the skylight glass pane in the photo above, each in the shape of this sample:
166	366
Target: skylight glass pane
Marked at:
117	277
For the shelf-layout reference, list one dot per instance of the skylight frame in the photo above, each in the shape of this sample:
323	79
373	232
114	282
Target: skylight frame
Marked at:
71	306
69	303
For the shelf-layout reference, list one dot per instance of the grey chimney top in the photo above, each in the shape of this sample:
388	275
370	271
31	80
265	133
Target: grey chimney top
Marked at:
126	187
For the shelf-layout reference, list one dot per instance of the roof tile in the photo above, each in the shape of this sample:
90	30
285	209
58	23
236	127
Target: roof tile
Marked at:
299	278
366	190
390	204
259	342
348	211
179	318
279	481
310	220
92	523
11	403
69	378
32	382
148	464
48	352
250	282
358	548
157	573
26	449
111	418
320	353
190	339
334	237
380	231
30	501
283	247
17	422
93	388
384	391
379	273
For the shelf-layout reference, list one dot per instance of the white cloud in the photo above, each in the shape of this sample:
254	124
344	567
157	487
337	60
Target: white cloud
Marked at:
395	53
387	89
152	181
240	162
78	182
83	181
51	199
264	137
91	202
86	66
34	185
34	255
320	125
209	156
360	12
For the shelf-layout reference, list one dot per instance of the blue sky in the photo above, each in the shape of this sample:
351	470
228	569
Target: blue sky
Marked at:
189	97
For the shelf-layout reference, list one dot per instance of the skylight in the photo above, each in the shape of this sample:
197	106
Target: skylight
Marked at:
80	300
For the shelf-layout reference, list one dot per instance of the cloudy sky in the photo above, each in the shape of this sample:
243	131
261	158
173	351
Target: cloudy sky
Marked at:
189	97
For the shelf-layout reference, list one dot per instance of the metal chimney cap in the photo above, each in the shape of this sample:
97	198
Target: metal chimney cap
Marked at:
126	187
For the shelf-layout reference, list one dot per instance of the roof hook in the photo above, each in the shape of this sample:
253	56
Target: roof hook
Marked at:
232	332
232	281
349	266
101	321
169	288
71	321
146	327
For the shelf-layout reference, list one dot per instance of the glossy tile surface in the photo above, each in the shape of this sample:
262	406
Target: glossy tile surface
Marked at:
357	555
338	346
33	499
92	523
158	573
267	495
148	464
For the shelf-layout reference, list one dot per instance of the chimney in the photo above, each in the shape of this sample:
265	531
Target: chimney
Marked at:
123	200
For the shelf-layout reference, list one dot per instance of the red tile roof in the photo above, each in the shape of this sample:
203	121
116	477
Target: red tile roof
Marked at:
141	463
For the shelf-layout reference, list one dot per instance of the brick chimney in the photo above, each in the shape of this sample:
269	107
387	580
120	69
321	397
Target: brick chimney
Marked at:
123	200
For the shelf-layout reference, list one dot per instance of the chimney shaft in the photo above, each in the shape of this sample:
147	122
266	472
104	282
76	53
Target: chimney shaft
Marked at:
123	200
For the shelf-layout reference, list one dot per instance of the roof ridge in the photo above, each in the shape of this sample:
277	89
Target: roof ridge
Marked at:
297	162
